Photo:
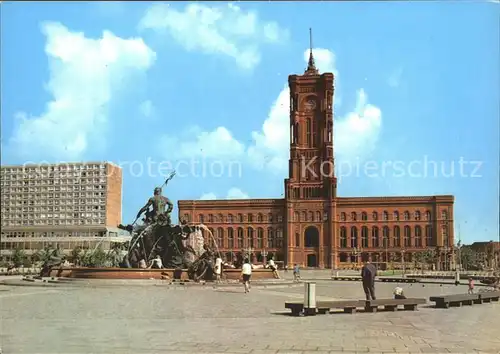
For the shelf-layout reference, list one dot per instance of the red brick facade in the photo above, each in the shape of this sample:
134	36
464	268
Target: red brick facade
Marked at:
312	226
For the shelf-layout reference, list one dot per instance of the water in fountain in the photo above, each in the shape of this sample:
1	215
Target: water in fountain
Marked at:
197	241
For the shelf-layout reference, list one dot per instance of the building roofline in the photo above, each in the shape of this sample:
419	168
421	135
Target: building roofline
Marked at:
46	163
230	202
427	198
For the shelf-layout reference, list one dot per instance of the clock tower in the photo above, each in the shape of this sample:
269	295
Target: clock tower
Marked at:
311	186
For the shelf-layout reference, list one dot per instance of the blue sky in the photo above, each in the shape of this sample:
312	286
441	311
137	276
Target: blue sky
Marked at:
193	85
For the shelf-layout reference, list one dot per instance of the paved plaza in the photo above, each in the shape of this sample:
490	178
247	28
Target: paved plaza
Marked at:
147	318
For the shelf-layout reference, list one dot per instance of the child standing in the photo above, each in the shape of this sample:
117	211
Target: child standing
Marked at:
296	272
471	286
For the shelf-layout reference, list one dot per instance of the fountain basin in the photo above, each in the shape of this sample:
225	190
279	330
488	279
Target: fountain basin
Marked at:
136	273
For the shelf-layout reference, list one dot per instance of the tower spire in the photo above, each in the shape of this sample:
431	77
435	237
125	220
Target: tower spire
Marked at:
311	66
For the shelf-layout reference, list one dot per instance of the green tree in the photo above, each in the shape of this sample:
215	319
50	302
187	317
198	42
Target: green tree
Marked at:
425	258
76	255
43	255
468	257
19	257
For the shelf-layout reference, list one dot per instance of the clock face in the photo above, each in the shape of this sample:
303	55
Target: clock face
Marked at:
310	105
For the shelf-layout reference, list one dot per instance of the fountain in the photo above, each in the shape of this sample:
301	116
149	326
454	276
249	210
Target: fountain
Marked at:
185	250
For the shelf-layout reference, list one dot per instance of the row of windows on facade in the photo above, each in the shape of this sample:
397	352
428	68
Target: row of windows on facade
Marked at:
417	215
70	215
61	179
55	201
408	237
211	218
62	207
24	234
74	187
48	168
251	238
65	245
55	222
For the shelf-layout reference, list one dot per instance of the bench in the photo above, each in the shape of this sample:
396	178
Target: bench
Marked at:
323	307
399	280
489	296
347	278
392	304
446	301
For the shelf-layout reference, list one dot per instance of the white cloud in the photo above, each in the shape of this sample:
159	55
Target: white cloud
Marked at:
208	196
147	109
223	29
217	144
83	75
355	134
233	193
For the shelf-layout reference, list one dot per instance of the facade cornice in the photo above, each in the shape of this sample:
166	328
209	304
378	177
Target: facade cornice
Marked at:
231	203
396	200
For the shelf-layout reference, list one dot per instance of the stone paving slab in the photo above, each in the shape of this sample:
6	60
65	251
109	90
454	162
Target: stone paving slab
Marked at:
163	320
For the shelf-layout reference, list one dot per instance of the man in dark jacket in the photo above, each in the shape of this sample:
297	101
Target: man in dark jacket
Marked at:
368	274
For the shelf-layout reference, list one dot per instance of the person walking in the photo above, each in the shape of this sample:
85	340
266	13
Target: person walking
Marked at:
274	268
368	274
296	272
246	274
218	268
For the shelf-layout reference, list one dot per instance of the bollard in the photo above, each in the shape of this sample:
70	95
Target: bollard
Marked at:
309	299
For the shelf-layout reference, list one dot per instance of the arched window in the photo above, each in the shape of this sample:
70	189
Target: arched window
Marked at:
396	215
259	217
343	237
270	218
210	218
407	236
385	236
364	237
240	217
444	215
270	238
397	236
241	240
230	238
353	216
386	216
296	216
427	215
375	237
304	216
375	215
444	234
260	237
343	217
221	218
418	236
318	216
354	237
364	216
428	236
297	239
311	216
210	237
417	215
250	217
230	218
220	237
406	215
251	241
279	238
201	219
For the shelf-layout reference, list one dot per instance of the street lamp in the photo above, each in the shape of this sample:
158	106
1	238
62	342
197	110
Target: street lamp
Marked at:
403	251
264	257
355	252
